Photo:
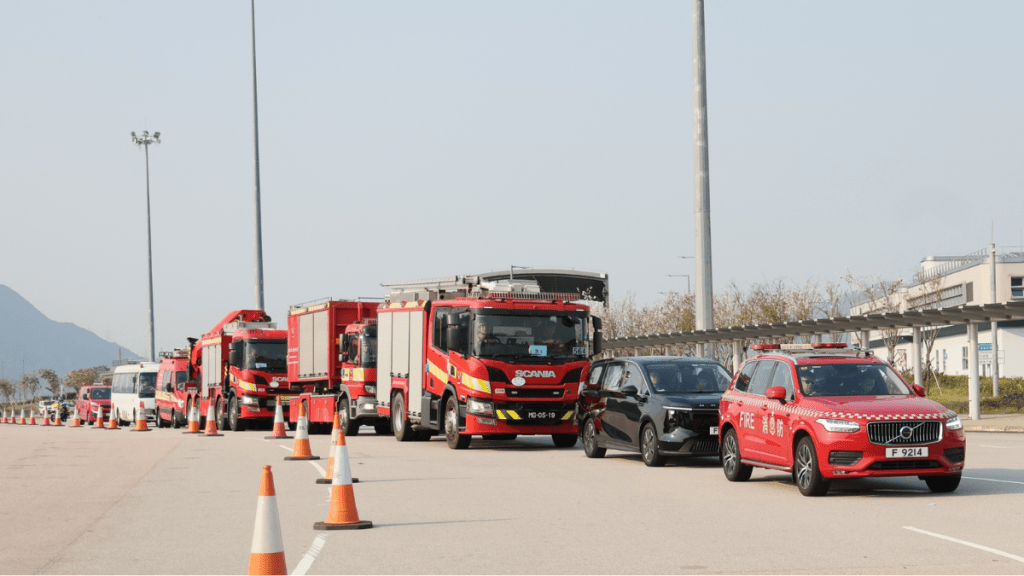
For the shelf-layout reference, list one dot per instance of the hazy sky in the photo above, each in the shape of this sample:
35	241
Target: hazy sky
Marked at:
420	138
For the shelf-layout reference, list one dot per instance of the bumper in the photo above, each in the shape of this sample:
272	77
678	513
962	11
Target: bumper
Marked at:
365	408
840	456
483	425
683	442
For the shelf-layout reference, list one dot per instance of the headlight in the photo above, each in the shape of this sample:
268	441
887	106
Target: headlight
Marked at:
954	423
367	403
838	425
181	403
478	406
370	388
250	400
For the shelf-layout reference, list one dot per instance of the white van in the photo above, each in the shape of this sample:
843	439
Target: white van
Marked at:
132	384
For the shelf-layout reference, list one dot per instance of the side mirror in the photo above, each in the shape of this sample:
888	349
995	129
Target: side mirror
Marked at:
629	390
451	337
776	393
919	390
598	336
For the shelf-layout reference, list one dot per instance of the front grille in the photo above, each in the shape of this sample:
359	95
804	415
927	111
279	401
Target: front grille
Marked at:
701	446
844	457
890	433
954	455
904	465
700	422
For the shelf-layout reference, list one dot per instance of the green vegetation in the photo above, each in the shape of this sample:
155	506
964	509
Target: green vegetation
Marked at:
954	394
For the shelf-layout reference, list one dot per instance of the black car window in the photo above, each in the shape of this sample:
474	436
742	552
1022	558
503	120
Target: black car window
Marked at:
634	377
783	377
743	380
595	374
612	378
762	377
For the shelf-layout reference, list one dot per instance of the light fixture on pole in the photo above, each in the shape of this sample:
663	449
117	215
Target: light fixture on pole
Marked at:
680	276
143	142
512	268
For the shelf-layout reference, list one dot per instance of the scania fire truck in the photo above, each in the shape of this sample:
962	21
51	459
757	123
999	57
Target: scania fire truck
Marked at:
332	359
496	358
240	366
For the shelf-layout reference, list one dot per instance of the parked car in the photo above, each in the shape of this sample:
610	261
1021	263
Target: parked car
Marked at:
657	405
90	400
822	411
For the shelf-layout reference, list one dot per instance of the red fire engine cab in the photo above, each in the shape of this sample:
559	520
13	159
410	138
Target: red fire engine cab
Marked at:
332	359
239	366
171	396
465	357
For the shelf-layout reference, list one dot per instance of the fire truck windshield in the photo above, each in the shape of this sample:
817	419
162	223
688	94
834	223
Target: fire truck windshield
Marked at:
265	355
537	335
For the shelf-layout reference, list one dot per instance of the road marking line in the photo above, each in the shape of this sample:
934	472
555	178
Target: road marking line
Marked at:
965	543
992	480
311	554
323	473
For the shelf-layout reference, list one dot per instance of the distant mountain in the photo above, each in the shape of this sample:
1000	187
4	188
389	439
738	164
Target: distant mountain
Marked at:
27	333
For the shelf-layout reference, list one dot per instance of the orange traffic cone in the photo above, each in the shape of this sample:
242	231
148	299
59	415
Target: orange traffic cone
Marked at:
329	476
22	420
267	555
343	514
301	449
279	429
140	419
99	418
46	419
75	422
211	422
112	422
32	418
56	419
4	421
193	419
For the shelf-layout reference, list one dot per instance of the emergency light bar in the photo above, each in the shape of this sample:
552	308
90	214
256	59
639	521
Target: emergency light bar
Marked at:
817	346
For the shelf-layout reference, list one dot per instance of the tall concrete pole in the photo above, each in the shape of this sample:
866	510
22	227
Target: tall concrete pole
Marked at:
973	383
995	331
704	297
256	166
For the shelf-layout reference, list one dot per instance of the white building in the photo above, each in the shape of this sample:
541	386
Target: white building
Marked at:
949	282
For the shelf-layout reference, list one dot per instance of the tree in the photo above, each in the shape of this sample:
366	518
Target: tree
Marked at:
833	306
52	380
80	377
6	389
886	297
29	383
930	298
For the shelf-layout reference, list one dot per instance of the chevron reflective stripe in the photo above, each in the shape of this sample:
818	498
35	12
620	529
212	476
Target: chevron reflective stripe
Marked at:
508	415
567	415
437	372
354	374
476	383
247	385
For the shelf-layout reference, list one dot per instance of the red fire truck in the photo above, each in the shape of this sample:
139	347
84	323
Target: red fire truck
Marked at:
332	356
171	395
240	366
466	356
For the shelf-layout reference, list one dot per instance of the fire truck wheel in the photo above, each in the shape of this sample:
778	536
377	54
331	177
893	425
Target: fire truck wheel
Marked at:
399	425
564	440
455	440
235	422
222	416
348	426
174	419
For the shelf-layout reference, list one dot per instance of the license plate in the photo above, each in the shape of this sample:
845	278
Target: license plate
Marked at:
908	452
714	430
541	415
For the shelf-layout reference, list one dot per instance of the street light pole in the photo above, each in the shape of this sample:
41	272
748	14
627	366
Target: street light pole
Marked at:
704	298
143	142
256	165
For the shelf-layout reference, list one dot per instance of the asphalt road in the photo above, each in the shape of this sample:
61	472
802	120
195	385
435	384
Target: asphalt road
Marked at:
86	501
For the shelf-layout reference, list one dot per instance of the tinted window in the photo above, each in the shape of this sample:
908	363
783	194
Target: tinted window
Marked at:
743	380
681	376
99	394
613	378
762	377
